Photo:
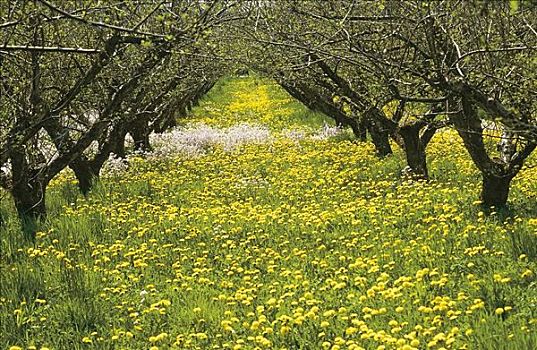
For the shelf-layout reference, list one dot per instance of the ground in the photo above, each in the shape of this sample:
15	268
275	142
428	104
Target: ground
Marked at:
289	240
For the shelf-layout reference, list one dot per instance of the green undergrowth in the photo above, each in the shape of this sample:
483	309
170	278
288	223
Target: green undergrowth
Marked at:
289	244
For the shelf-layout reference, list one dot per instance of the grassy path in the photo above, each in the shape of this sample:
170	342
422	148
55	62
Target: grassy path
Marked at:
254	100
291	243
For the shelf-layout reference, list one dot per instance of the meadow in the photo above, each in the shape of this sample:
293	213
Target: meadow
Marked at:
300	239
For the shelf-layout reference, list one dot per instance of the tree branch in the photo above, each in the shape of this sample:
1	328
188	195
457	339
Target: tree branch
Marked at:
80	50
98	24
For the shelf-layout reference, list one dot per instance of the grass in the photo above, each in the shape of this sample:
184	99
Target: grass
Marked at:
254	100
311	244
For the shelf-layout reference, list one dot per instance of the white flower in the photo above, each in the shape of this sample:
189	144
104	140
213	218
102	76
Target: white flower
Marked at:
115	165
327	131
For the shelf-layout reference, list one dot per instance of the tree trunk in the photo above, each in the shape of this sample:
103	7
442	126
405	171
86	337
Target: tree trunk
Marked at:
314	101
495	190
380	129
140	136
85	174
414	151
29	198
117	145
362	125
170	122
195	102
380	138
343	121
28	190
88	171
497	174
381	142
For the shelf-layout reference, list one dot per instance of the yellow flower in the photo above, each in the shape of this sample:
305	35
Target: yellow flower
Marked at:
201	336
351	330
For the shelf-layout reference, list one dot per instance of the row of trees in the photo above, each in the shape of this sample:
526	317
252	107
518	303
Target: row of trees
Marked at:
76	78
405	69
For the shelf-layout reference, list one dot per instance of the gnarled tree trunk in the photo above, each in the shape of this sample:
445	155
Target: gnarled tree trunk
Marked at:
139	131
84	173
414	151
495	189
29	197
28	191
362	127
380	133
497	173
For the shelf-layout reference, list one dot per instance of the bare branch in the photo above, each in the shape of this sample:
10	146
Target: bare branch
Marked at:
80	50
505	49
98	24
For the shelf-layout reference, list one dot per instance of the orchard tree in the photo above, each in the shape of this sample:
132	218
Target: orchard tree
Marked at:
323	66
468	64
68	77
479	56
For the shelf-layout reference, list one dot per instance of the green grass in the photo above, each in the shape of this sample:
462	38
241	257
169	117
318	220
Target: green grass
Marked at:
265	103
312	244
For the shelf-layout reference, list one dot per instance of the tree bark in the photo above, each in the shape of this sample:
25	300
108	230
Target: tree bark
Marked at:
28	192
380	133
497	174
139	131
495	190
414	151
29	198
362	127
119	145
380	139
317	102
84	173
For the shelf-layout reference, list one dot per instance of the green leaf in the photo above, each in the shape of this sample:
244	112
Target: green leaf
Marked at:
514	5
146	43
